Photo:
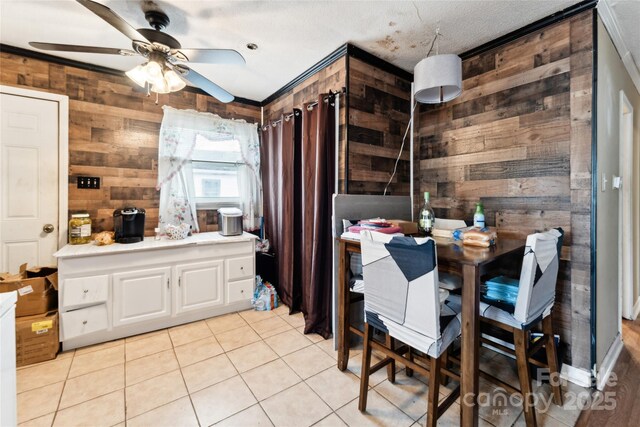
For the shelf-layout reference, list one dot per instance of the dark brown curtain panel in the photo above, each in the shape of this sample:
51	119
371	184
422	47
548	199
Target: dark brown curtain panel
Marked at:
318	153
278	154
298	157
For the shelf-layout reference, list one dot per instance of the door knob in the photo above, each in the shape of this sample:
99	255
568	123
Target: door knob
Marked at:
48	228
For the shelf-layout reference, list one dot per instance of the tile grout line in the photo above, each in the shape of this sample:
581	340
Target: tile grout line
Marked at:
193	407
55	415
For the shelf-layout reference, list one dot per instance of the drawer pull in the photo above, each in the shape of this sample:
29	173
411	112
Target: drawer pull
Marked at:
86	290
241	267
84	322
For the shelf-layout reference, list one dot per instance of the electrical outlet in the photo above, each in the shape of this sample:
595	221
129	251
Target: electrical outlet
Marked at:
92	182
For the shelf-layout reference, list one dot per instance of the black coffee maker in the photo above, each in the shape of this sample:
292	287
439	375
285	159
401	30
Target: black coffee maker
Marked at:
128	224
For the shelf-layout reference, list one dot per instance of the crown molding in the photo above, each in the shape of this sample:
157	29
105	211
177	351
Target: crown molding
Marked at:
605	12
97	68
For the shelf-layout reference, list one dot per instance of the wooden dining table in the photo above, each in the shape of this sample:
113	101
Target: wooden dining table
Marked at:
472	262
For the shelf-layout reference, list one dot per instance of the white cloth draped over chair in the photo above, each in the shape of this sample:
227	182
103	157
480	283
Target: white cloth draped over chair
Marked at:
535	298
401	294
537	284
402	300
178	134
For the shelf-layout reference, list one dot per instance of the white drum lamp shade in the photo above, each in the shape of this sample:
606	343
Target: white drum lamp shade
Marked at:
437	79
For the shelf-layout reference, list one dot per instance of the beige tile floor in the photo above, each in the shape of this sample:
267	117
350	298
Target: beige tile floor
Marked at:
243	369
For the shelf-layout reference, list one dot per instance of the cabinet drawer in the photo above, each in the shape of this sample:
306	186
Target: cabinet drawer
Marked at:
241	290
84	321
82	291
240	268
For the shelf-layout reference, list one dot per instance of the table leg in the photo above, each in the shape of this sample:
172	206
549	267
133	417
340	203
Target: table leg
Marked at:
470	345
343	309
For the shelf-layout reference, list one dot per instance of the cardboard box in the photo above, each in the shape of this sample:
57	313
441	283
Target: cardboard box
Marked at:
37	289
408	227
37	338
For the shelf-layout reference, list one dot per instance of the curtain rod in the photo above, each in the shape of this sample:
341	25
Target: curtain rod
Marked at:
310	106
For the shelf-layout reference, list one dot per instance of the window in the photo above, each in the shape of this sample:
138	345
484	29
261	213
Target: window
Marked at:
215	164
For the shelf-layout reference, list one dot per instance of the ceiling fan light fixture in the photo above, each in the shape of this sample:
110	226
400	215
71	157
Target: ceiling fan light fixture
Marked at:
154	72
174	82
138	75
161	86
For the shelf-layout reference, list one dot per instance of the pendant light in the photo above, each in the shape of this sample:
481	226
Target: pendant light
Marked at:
437	78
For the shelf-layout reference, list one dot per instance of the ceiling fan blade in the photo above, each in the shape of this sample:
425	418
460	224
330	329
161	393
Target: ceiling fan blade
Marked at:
114	20
205	84
85	49
213	56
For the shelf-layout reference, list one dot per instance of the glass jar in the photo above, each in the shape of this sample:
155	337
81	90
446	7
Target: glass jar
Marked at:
79	229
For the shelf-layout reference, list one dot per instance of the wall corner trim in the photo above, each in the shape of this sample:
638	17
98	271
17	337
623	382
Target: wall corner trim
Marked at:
636	309
605	12
578	376
323	63
609	362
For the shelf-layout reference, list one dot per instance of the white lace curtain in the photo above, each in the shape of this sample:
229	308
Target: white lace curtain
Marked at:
175	175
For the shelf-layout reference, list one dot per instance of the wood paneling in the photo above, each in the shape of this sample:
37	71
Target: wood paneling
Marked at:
379	106
378	116
518	139
113	134
331	78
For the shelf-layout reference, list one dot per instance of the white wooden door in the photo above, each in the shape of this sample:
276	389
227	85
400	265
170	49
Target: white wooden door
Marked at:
200	285
29	181
141	295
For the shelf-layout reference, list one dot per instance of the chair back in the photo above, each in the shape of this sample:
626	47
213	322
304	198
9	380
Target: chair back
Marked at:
401	285
538	276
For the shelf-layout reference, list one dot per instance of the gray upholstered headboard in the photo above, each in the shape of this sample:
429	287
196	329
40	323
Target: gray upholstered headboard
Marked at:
353	206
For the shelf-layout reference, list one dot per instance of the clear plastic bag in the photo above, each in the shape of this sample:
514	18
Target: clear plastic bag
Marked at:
265	297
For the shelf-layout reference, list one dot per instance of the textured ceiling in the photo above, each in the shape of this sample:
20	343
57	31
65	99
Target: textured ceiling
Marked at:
291	35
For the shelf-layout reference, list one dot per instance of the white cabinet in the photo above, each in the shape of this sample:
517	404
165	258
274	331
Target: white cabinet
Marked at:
115	291
240	290
84	321
141	295
8	404
240	268
82	291
200	285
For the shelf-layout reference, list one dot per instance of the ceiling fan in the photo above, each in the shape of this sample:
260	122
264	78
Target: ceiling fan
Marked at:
164	71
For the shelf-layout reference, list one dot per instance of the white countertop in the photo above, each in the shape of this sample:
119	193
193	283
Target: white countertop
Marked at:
149	243
7	299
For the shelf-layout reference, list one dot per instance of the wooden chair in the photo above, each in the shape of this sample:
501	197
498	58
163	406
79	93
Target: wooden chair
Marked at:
401	299
534	302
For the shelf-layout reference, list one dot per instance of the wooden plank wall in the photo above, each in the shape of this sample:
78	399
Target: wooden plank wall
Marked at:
333	78
518	139
379	107
113	134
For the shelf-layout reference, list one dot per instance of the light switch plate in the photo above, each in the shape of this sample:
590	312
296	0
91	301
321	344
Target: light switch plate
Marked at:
617	182
91	182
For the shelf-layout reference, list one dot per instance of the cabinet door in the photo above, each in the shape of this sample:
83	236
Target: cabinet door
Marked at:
141	295
200	285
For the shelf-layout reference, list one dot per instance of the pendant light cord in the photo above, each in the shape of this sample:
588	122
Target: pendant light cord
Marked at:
395	167
404	138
